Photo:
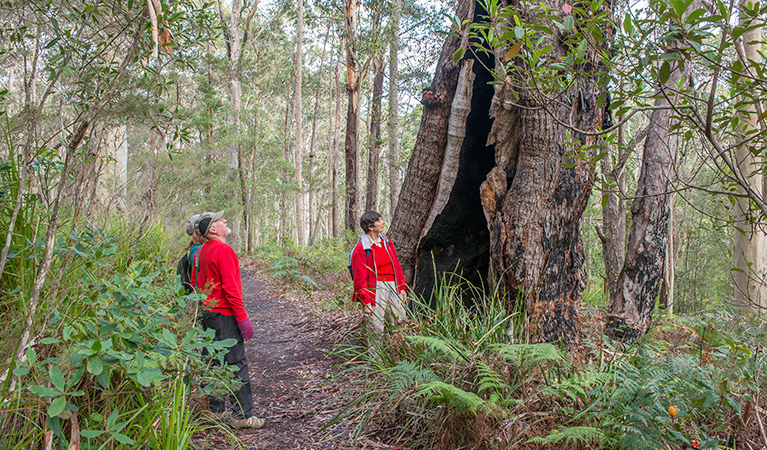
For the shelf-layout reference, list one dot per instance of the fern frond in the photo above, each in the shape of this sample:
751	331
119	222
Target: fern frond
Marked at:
571	435
453	349
407	376
528	355
453	396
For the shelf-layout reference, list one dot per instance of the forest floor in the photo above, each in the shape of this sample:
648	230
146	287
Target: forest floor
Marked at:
297	384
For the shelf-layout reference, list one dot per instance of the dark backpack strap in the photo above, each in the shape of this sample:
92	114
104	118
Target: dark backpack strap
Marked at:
194	258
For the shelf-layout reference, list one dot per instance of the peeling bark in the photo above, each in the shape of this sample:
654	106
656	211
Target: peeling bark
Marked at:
456	132
419	187
352	114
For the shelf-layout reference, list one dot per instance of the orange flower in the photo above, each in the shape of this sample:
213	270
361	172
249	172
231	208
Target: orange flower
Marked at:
672	411
695	443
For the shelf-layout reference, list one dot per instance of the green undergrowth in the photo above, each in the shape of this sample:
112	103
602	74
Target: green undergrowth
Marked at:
321	265
461	376
115	358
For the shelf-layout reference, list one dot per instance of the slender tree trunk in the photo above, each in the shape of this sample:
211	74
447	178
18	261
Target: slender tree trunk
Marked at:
246	215
394	184
352	114
336	226
669	269
638	285
299	150
420	184
371	201
750	248
313	143
284	223
612	234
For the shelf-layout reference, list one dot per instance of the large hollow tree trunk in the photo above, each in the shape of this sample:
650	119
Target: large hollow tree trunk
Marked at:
420	184
537	252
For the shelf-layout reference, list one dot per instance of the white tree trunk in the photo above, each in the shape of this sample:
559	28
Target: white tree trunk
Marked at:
394	183
299	150
749	256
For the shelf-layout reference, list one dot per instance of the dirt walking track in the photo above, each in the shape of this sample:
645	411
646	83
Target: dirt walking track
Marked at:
294	381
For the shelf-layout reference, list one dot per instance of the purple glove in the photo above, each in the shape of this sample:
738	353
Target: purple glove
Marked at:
246	328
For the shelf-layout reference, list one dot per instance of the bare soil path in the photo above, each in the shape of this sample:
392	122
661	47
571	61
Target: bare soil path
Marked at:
296	386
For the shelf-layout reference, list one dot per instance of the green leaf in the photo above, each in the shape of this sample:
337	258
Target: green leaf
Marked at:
90	434
49	340
31	355
734	404
44	391
142	379
569	23
664	72
57	377
710	399
57	406
628	27
121	438
169	337
458	55
112	418
95	365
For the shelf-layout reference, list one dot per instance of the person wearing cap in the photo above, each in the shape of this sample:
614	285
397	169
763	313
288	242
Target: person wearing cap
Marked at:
186	267
219	278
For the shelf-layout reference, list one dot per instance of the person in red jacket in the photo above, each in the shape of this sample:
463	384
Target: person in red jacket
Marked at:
378	280
219	278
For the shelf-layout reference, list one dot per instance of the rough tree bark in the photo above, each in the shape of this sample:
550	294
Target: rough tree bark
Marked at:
420	184
638	285
352	114
536	249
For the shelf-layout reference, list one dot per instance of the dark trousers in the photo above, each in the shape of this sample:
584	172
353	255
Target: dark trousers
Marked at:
226	328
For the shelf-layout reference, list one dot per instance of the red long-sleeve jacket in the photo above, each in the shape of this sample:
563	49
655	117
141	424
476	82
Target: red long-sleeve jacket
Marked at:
220	279
364	269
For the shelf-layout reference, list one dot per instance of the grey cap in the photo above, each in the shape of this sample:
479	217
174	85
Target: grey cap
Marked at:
203	222
190	224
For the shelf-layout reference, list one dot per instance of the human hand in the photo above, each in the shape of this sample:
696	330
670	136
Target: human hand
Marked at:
403	295
246	328
367	310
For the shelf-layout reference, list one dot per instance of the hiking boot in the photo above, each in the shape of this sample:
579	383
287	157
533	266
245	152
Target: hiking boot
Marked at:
251	422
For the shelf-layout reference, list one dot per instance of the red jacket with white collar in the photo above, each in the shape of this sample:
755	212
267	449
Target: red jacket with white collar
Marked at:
364	269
